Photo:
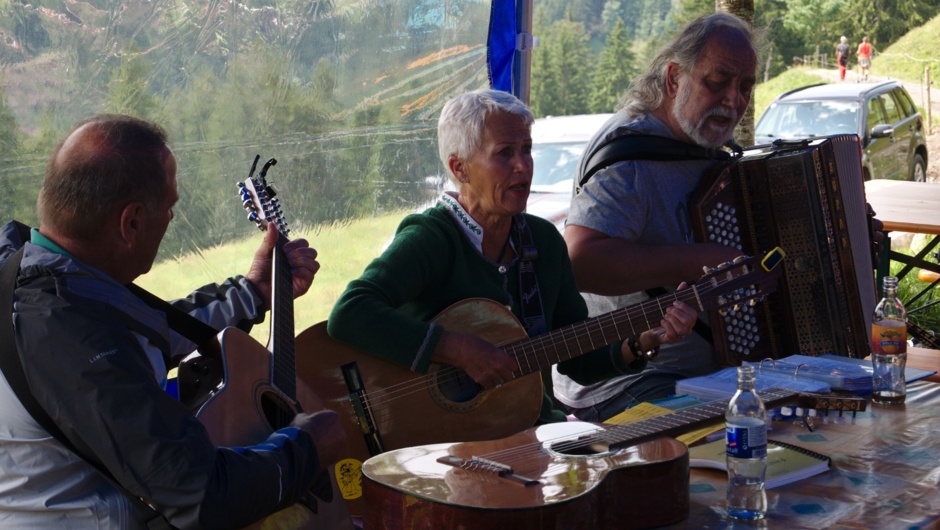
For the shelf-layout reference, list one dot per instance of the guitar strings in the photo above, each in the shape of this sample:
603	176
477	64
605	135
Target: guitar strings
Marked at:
448	374
611	434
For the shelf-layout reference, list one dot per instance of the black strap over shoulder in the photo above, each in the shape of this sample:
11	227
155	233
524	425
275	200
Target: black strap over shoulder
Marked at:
12	368
623	144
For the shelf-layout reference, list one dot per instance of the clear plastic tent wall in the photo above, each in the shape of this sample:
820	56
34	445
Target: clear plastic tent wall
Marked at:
344	94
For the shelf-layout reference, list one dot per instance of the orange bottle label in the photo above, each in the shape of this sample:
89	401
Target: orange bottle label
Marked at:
888	340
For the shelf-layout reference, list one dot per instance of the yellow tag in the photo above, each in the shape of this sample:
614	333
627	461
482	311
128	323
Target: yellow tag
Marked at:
643	411
349	478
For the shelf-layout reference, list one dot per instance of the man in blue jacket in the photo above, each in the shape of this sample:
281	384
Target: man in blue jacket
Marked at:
96	357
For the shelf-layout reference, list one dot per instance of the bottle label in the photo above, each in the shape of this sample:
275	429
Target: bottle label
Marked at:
746	442
888	340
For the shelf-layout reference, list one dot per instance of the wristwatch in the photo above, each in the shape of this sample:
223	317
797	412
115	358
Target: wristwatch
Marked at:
634	344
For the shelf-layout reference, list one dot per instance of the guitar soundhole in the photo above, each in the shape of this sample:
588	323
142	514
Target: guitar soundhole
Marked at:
578	448
277	412
456	385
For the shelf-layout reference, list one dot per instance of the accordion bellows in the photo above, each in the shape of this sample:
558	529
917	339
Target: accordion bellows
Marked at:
808	198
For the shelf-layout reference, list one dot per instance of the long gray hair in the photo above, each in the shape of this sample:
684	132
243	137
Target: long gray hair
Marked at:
460	127
684	49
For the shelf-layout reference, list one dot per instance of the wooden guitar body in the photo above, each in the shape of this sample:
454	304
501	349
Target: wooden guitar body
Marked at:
385	406
235	415
411	409
558	476
636	487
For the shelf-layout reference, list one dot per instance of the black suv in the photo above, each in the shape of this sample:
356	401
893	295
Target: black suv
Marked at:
881	114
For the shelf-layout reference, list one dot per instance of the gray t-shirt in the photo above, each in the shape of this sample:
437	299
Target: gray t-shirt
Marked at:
644	202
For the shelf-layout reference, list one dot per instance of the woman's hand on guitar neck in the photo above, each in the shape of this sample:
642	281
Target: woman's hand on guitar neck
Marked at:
301	257
486	364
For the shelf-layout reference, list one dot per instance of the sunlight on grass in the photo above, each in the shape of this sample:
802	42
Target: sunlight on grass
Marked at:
344	251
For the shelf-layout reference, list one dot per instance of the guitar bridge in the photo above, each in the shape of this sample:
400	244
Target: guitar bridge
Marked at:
482	465
360	402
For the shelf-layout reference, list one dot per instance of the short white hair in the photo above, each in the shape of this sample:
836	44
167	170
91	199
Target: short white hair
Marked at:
844	39
460	127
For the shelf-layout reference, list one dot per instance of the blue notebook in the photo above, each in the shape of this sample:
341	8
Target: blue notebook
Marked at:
723	384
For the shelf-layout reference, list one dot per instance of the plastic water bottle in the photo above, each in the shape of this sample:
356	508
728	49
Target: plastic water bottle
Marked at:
746	449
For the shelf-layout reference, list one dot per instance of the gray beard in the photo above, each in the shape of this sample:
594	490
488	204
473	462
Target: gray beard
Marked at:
694	130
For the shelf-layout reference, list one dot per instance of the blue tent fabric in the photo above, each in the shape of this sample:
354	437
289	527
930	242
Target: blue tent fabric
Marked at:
501	44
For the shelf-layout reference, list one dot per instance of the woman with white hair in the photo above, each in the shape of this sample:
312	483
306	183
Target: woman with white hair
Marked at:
478	243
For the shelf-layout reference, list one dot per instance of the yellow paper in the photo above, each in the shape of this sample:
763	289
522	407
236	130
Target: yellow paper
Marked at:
645	411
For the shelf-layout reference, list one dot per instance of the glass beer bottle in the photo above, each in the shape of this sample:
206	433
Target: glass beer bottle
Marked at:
889	347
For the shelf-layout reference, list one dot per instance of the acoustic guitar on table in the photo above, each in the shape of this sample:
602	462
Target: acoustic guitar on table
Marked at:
573	475
385	406
242	391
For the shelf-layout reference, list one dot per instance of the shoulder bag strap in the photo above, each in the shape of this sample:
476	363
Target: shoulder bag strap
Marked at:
12	368
530	299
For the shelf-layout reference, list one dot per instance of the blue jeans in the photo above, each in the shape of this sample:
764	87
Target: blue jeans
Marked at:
649	387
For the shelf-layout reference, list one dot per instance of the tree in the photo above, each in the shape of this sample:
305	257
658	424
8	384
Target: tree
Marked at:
563	84
815	19
128	89
743	9
616	69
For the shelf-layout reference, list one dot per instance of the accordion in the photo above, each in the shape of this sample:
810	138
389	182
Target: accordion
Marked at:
808	198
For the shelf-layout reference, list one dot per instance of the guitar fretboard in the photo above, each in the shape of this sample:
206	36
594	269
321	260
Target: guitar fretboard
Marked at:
281	343
568	342
682	421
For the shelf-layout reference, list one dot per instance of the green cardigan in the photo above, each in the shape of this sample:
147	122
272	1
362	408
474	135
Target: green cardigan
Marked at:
429	266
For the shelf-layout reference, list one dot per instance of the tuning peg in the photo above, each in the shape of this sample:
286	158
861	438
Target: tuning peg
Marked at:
253	217
738	260
708	270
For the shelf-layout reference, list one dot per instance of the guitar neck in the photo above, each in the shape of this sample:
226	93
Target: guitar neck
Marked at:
281	343
562	344
683	421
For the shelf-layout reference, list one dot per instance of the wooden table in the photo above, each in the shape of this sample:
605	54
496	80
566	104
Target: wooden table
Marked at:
885	473
905	206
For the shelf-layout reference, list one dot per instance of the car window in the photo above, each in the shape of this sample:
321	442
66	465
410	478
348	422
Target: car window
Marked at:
808	118
876	114
891	107
904	101
555	165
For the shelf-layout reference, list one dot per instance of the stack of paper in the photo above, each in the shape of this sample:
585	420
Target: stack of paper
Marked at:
723	383
839	374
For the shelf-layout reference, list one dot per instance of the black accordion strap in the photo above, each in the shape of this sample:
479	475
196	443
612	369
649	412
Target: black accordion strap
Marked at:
623	145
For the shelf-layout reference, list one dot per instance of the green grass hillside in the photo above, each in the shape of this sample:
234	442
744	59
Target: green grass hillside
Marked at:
792	78
344	251
907	58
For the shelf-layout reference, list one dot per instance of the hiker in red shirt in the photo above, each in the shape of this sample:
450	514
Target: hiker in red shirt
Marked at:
864	57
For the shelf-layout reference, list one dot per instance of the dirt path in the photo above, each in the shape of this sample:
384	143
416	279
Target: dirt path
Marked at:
920	98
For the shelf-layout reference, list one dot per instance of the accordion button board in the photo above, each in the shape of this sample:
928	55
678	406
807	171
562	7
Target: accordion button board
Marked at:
807	197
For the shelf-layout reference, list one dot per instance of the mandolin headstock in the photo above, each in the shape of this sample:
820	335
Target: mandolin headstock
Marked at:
259	199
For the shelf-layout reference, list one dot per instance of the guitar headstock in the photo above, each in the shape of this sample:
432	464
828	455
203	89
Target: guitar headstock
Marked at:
778	397
827	402
259	198
746	280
